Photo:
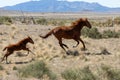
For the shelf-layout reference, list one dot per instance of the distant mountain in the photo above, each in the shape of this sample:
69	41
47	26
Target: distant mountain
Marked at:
59	6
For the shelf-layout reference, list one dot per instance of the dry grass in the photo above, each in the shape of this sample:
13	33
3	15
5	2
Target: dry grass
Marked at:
54	57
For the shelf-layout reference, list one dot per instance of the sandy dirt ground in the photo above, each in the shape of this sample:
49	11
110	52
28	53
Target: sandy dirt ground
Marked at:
50	51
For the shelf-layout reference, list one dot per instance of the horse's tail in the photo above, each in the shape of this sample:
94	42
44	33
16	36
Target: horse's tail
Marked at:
5	48
48	34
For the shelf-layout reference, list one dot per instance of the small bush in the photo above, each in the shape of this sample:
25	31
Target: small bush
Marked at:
1	67
117	20
57	22
37	70
74	53
95	34
78	74
42	21
110	34
14	68
111	74
104	51
92	33
5	20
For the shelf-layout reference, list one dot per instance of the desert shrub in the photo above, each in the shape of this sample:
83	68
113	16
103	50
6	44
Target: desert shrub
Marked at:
57	22
74	53
42	21
14	68
37	70
95	34
5	20
92	33
111	74
53	22
100	23
85	32
110	34
109	23
117	20
78	74
1	67
61	23
104	51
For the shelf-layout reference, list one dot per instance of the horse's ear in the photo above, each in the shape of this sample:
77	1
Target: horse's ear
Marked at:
73	23
85	19
28	36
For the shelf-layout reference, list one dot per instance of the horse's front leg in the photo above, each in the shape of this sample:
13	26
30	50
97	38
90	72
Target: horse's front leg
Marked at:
84	48
77	43
27	49
31	52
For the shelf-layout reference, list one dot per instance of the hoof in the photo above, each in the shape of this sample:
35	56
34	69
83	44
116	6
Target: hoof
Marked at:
83	49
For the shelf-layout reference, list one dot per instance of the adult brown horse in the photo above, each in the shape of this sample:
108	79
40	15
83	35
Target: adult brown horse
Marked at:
21	45
70	32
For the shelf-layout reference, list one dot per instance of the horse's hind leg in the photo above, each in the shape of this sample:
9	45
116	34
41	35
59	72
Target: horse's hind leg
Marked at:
6	55
62	46
65	45
9	53
3	58
6	59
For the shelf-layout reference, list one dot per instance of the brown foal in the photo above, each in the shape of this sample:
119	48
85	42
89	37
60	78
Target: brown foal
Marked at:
21	45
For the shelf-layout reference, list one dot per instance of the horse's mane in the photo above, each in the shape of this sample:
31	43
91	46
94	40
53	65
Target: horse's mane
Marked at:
76	23
23	40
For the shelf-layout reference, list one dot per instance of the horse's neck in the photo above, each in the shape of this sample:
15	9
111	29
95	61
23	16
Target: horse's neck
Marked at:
79	27
24	42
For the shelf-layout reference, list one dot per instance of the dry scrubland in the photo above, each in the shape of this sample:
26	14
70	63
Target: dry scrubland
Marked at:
101	60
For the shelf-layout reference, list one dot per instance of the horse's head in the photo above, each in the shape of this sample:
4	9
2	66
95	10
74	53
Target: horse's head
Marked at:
86	23
82	22
30	40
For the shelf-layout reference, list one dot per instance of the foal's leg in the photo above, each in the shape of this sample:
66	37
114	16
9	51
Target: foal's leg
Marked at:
27	49
3	58
31	52
6	59
6	55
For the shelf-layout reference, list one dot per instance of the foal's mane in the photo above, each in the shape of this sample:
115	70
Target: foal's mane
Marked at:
23	40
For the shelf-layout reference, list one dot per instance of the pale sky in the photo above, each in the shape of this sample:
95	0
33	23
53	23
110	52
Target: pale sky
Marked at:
108	3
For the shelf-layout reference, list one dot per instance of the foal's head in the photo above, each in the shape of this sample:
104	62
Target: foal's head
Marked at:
82	22
29	39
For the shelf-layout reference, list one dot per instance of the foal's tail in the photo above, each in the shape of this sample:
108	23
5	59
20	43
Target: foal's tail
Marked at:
5	48
48	34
